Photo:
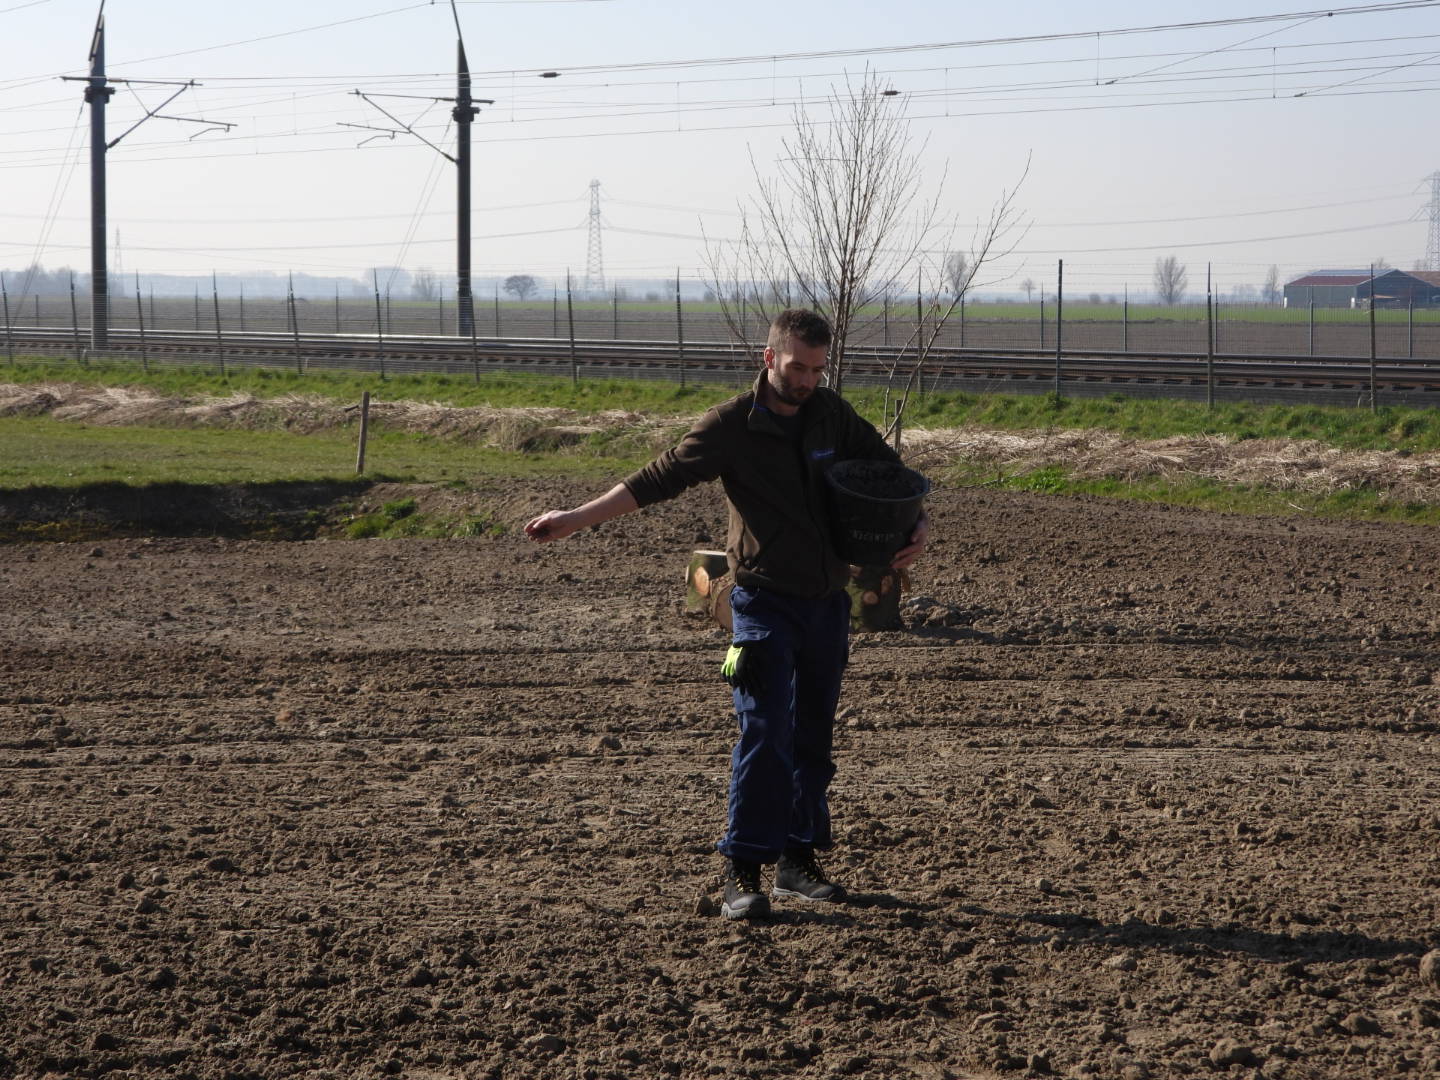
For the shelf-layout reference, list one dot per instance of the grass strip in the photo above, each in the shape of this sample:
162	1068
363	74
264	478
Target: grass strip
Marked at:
1389	428
40	452
461	391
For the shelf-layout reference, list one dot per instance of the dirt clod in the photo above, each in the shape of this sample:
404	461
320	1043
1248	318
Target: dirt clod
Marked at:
1430	969
1229	1052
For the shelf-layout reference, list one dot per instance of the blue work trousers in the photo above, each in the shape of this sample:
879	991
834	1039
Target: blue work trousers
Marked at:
781	768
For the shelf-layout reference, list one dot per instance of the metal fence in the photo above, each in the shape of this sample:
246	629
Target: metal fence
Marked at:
1120	328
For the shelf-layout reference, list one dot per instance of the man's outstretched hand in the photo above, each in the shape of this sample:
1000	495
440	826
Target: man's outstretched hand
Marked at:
558	524
907	555
552	525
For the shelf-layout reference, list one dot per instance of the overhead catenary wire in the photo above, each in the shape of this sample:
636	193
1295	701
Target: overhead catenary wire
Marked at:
57	196
491	134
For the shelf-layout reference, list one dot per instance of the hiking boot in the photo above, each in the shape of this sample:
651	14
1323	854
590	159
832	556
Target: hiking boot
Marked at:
743	898
798	876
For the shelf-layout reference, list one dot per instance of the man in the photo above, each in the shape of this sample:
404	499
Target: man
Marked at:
771	447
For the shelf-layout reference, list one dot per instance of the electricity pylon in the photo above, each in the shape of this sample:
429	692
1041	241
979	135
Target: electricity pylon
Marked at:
1432	246
594	251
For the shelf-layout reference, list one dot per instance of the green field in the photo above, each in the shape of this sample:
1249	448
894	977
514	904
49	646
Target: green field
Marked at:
43	452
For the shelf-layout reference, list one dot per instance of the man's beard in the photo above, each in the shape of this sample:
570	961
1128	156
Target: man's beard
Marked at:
788	393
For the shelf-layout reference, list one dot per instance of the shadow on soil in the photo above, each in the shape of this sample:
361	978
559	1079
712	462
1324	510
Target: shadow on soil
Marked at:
1320	946
294	510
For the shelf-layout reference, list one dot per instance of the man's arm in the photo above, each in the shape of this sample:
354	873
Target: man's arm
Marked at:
558	524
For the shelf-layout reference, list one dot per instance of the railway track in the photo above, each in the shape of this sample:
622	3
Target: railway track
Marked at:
714	361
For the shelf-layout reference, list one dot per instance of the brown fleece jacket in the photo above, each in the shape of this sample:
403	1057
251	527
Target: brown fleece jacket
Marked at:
779	536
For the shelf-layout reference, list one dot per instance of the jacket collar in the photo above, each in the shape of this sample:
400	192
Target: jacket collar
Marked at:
762	419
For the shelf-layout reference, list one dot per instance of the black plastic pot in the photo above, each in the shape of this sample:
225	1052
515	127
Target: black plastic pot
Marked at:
873	509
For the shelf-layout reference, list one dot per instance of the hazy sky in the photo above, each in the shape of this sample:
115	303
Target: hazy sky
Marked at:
1303	142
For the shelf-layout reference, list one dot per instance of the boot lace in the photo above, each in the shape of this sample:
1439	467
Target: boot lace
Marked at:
746	878
809	866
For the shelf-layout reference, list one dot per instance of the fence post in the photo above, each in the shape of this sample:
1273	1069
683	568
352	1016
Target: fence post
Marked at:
337	307
919	309
474	348
295	325
140	318
679	330
1042	318
497	310
1059	320
1125	321
1209	341
555	306
615	314
219	337
379	324
1410	330
197	307
75	322
364	432
389	326
885	314
1312	323
9	339
962	320
570	310
1373	402
440	296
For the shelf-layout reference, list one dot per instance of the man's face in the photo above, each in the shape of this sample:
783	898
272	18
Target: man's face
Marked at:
796	372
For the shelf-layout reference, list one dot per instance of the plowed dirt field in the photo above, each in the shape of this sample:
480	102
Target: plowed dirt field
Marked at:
1142	792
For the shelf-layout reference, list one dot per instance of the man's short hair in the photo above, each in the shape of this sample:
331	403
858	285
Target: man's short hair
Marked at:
797	324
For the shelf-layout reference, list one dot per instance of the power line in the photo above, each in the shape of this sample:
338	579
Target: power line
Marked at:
247	222
1086	35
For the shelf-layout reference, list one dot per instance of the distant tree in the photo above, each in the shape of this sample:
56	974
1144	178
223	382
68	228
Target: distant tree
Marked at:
1170	279
1379	266
425	285
1095	298
1270	291
1029	286
957	271
1244	294
521	286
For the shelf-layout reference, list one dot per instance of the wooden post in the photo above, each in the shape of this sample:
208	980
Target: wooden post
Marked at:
874	598
705	567
707	586
364	432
